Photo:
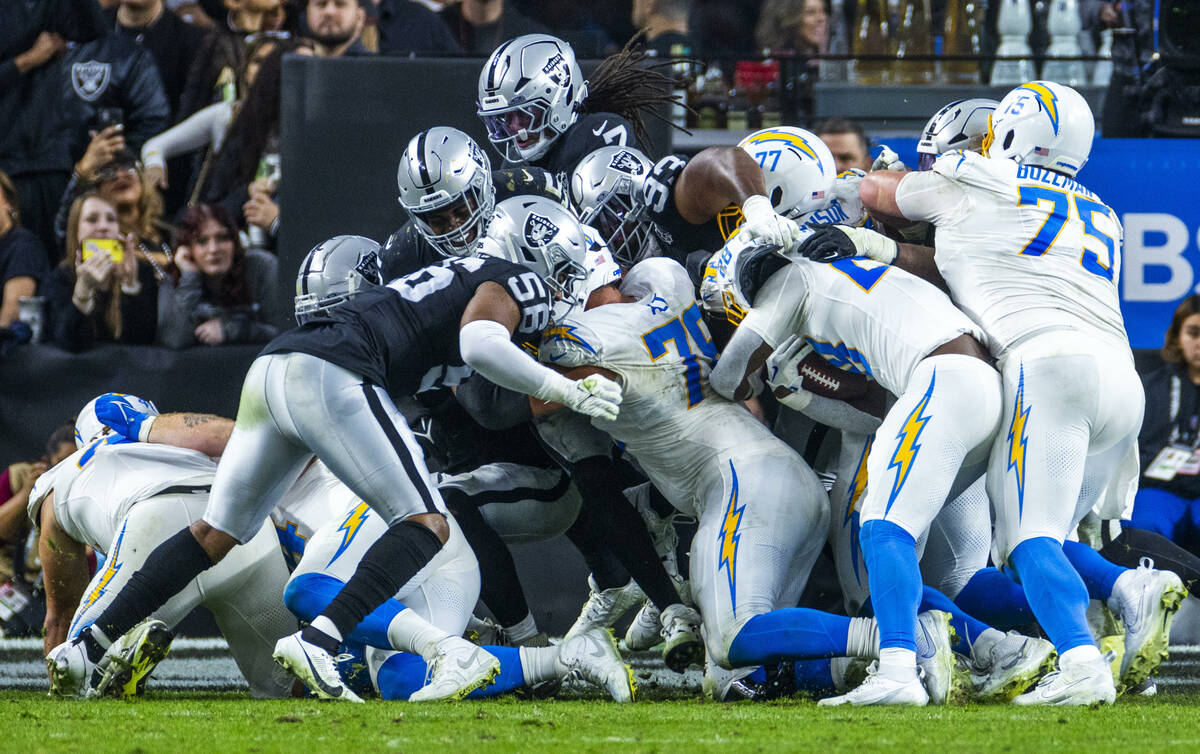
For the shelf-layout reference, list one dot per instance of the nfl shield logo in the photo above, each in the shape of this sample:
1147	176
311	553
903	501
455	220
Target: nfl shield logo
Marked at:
624	162
90	79
539	230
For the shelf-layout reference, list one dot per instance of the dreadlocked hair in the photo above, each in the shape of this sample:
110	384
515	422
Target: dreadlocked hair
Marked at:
632	84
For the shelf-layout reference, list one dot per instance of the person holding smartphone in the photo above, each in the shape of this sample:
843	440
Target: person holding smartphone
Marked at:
105	289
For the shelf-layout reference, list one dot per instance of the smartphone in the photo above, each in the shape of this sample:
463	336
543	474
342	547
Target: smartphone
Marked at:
114	248
109	116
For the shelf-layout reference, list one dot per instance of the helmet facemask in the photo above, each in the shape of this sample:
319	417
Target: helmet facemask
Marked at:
566	279
522	132
466	216
620	222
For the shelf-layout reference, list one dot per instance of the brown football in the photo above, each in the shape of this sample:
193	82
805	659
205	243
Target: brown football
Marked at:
822	378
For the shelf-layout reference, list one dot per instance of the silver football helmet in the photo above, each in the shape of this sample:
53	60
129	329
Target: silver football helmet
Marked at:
530	91
445	183
962	124
545	237
334	272
604	190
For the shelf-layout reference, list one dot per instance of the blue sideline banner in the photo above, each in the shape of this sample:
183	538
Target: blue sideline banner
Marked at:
1154	186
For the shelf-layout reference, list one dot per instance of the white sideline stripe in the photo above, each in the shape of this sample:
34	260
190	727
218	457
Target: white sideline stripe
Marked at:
198	644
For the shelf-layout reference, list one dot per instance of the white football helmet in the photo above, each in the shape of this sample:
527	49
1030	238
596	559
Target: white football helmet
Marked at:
530	91
442	167
601	266
334	272
798	168
604	190
962	124
734	274
1042	123
545	237
88	426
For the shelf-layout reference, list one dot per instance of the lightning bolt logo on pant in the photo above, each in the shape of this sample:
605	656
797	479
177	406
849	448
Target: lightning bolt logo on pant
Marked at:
111	569
857	487
1018	439
907	445
350	527
730	537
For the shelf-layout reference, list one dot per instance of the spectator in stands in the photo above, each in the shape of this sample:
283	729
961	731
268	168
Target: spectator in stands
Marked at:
214	74
1132	55
121	181
1168	498
22	258
725	27
101	298
217	292
666	26
16	482
799	26
252	141
575	23
480	26
849	143
336	27
32	37
407	27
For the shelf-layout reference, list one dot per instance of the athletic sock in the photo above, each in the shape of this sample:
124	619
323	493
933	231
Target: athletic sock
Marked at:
168	569
994	598
319	638
897	664
308	594
409	632
521	630
387	565
403	673
1055	592
606	570
895	581
540	664
966	628
862	638
1098	574
787	634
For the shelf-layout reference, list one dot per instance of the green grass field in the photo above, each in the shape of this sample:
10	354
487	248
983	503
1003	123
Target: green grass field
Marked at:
188	722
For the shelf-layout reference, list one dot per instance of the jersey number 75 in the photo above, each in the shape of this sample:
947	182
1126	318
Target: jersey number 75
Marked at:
1062	204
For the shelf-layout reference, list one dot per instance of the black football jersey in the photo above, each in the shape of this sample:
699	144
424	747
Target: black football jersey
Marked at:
407	251
584	136
403	336
677	237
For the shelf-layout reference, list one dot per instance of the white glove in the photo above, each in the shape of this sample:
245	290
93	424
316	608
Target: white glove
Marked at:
888	160
765	225
871	244
594	395
783	371
845	193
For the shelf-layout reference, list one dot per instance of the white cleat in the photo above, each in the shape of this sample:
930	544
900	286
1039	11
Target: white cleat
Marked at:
605	607
594	657
315	668
877	690
645	632
1076	684
1145	600
69	668
458	668
1004	665
682	645
935	657
131	659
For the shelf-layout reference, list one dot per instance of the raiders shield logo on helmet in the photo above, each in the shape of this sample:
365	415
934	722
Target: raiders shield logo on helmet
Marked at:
625	162
368	267
556	69
90	79
539	229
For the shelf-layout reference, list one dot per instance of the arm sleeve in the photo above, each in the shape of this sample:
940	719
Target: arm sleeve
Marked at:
840	415
486	347
190	135
926	195
175	307
730	370
778	305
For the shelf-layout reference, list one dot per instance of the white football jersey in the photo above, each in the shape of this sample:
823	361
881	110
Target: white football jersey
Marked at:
671	421
860	315
1023	249
315	499
95	486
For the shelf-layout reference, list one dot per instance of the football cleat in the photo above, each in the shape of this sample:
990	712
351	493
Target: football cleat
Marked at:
605	607
1003	667
131	659
540	639
682	645
69	668
935	658
1145	600
646	629
1079	683
458	668
483	631
593	656
315	668
877	690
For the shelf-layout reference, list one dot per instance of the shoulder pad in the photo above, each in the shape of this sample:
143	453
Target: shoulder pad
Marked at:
569	344
660	276
973	169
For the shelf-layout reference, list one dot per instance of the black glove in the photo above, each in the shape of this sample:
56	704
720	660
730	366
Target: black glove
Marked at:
827	244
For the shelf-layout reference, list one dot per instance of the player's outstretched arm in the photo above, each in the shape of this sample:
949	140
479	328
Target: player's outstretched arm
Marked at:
744	355
485	342
64	573
206	433
877	190
714	179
